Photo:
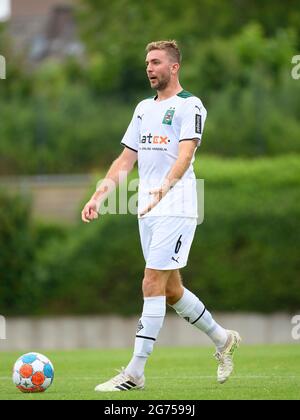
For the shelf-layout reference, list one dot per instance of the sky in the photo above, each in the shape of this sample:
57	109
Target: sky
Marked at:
4	9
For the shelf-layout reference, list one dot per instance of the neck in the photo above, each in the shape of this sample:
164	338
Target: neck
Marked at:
171	90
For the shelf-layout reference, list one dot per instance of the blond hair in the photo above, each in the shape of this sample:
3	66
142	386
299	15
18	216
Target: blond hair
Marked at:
170	47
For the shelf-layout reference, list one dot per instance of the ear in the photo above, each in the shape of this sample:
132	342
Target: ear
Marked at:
175	68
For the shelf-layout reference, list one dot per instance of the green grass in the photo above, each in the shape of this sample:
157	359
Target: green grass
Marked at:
262	372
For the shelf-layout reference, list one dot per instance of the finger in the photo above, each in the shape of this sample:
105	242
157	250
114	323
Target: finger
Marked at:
94	214
152	192
144	212
158	195
84	219
84	216
149	208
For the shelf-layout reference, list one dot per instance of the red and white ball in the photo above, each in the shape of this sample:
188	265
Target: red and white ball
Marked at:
33	372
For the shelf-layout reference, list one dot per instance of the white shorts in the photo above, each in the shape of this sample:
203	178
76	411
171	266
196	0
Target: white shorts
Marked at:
166	241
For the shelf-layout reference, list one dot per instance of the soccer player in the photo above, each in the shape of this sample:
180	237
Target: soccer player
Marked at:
163	136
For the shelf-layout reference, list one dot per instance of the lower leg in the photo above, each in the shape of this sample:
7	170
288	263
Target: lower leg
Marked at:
189	307
151	321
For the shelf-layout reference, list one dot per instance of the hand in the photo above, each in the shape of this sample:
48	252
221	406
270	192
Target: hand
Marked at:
90	212
158	194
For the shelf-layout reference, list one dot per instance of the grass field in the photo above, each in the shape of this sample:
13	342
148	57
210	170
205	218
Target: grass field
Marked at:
262	372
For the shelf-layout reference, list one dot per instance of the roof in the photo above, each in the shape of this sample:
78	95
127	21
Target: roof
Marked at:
44	28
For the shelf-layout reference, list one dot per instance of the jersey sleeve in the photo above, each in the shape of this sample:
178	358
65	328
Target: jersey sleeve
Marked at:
193	119
132	135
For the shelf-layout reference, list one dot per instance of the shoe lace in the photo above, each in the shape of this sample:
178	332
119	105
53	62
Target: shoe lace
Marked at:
225	361
218	356
120	377
223	358
226	355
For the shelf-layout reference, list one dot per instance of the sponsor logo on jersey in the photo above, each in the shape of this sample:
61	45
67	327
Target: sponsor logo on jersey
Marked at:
168	118
198	124
154	139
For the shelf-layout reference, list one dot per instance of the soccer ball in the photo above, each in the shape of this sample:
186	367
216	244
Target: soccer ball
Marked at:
33	372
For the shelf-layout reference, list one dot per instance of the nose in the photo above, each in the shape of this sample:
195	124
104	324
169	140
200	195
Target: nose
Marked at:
149	68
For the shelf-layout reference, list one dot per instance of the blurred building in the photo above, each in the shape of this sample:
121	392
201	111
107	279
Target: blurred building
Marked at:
44	28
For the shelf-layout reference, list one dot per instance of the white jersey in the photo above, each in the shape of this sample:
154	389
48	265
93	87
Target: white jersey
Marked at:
155	131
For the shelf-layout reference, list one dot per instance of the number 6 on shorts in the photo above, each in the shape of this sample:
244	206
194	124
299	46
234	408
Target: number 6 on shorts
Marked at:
178	245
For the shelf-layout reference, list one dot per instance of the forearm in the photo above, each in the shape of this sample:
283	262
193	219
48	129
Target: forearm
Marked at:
175	174
116	174
183	162
177	171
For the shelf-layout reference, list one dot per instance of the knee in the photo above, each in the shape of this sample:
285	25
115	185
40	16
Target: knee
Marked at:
174	294
153	284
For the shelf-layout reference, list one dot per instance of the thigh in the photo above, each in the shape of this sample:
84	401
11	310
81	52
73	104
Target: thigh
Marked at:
145	236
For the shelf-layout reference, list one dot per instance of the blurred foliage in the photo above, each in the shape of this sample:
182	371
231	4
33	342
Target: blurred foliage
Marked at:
119	31
20	241
17	254
70	116
245	256
18	82
64	117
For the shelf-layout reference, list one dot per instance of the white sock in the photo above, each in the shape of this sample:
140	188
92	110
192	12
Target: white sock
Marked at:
136	366
193	311
149	325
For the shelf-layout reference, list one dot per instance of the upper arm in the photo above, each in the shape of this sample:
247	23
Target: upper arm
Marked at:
187	148
193	119
128	157
131	137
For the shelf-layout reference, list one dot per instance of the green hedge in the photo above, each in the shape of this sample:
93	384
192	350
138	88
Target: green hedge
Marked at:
16	255
20	242
245	256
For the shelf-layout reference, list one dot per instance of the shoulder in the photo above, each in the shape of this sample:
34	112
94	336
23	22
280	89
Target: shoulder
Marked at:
191	101
184	94
145	102
142	105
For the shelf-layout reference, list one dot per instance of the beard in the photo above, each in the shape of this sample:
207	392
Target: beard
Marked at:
162	83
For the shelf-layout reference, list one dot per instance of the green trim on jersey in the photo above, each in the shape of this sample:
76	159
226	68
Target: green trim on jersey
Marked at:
185	94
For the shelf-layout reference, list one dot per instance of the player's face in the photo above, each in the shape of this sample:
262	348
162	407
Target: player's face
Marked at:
159	69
